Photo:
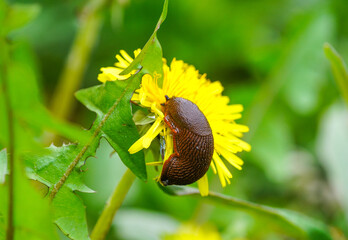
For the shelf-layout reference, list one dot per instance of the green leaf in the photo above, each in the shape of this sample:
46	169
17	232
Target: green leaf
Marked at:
49	166
31	119
69	214
309	228
19	15
153	51
32	214
111	102
119	128
339	69
3	165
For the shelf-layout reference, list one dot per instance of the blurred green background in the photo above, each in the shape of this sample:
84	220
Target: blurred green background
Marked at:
269	56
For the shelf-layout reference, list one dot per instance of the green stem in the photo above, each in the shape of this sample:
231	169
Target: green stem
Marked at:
71	77
113	204
233	203
11	139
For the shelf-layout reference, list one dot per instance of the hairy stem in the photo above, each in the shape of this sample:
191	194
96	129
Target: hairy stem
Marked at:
72	74
113	204
11	136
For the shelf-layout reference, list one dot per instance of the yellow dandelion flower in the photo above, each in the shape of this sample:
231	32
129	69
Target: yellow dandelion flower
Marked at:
194	232
183	80
113	73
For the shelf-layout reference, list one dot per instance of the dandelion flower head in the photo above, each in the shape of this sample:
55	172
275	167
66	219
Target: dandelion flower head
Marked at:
191	231
183	80
113	73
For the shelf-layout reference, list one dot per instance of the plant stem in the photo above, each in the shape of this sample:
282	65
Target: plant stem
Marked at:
113	204
231	202
71	77
11	139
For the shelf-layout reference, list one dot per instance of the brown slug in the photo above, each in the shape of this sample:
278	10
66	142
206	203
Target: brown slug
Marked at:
192	139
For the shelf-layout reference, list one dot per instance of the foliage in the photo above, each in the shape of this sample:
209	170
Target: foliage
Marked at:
267	54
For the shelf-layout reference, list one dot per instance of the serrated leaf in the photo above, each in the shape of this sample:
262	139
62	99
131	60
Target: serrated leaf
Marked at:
339	69
119	128
49	166
31	213
69	214
30	121
111	102
308	228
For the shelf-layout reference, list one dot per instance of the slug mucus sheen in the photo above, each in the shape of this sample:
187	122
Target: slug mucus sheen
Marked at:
192	140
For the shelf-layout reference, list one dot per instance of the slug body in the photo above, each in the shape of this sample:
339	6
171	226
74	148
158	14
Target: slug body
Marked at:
193	142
